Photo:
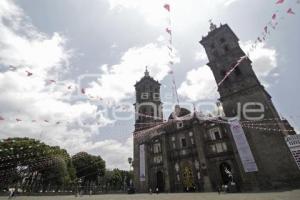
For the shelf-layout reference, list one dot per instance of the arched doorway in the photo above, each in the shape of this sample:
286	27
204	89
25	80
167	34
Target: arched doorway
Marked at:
226	173
188	179
160	183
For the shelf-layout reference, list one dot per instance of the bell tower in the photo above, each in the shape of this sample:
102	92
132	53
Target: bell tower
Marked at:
241	91
223	51
148	106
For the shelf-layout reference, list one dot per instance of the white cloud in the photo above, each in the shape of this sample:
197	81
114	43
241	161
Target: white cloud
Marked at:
264	58
154	13
116	82
201	56
31	98
200	83
228	2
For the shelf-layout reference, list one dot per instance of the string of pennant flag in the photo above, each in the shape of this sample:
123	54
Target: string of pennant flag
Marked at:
268	28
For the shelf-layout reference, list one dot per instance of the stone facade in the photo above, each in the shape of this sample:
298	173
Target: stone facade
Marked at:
192	152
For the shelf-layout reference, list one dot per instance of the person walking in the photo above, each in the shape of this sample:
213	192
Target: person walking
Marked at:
219	189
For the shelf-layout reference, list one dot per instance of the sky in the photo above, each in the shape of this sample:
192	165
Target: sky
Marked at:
103	46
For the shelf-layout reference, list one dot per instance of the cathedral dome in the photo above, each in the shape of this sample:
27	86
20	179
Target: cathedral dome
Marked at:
179	112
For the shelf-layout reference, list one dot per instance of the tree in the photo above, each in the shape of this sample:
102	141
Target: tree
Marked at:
88	168
33	165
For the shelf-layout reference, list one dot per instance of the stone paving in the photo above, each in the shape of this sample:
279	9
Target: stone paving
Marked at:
287	195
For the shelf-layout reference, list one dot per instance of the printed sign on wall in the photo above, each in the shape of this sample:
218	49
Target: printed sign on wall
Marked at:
243	147
142	163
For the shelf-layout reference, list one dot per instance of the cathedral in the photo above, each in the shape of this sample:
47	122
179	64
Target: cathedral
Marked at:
192	152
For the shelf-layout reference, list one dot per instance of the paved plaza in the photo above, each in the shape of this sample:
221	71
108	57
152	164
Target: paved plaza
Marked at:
287	195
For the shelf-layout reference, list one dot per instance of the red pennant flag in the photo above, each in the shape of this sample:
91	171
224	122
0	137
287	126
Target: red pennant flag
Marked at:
29	73
169	31
1	118
290	11
167	7
83	91
18	120
280	1
274	16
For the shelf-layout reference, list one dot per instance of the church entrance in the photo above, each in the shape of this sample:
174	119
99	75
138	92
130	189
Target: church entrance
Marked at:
188	179
160	183
226	173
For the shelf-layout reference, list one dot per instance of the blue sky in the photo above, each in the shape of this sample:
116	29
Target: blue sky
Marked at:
108	43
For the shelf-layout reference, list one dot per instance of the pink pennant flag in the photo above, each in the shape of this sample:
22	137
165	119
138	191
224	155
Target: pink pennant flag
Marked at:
29	73
266	29
169	31
18	120
1	118
167	7
83	91
259	39
280	2
12	68
290	11
274	16
51	81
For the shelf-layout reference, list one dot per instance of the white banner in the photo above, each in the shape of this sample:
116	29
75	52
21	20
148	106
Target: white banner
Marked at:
243	147
142	163
293	142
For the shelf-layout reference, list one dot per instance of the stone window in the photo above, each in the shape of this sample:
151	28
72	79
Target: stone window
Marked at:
191	134
174	145
183	142
224	146
237	71
215	134
151	111
179	125
156	97
222	40
226	48
157	159
212	148
145	95
192	141
156	148
173	139
218	147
